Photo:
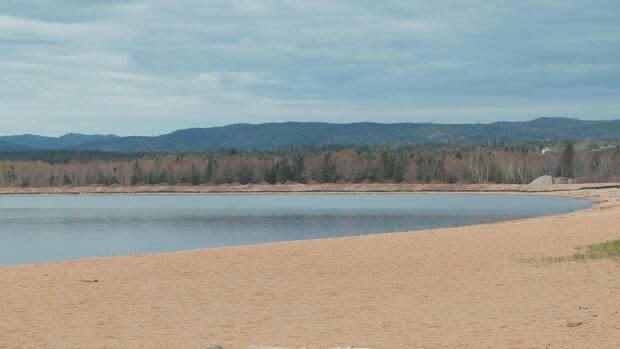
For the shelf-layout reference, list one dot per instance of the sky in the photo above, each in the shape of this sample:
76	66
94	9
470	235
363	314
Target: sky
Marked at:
151	67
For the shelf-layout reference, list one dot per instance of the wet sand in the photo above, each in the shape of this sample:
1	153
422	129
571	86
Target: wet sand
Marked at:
483	286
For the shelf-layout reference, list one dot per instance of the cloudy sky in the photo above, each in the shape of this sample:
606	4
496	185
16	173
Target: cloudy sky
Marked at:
149	67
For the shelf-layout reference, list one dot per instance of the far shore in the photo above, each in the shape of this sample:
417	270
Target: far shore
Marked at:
499	285
305	188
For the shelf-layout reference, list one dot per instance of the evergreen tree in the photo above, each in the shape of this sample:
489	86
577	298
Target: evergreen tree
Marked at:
283	171
328	170
137	175
246	174
398	167
270	175
279	173
566	161
209	170
194	175
298	169
66	180
384	168
10	176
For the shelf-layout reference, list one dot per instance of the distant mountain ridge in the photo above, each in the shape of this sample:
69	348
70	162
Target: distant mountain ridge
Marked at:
271	135
67	141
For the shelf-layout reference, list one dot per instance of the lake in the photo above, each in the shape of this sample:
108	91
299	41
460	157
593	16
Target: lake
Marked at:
41	228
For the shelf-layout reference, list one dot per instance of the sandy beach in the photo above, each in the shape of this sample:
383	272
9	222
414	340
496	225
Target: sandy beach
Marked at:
482	286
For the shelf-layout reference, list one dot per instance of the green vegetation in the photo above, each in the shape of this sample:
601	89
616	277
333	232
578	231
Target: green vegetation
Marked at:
607	249
566	161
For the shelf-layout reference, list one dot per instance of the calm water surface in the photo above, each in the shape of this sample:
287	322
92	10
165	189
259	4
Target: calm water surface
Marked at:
46	228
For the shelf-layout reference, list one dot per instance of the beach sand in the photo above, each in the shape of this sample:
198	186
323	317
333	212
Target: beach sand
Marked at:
482	286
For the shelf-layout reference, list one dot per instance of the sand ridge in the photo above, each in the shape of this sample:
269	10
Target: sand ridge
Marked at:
483	286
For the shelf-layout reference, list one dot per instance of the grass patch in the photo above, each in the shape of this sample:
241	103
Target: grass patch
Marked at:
608	249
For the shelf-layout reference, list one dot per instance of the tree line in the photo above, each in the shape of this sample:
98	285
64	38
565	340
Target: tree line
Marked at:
441	163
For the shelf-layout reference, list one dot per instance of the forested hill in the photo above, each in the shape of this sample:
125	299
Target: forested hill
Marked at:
34	142
270	135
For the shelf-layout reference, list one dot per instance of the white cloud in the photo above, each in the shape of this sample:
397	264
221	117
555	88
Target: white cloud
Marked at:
159	65
22	28
234	80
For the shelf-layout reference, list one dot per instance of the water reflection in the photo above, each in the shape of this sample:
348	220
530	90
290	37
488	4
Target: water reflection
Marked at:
45	228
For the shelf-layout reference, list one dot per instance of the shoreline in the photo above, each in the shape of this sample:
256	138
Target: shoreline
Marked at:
322	293
570	191
306	189
595	202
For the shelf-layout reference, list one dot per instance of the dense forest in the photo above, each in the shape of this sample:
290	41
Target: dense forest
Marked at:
425	163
